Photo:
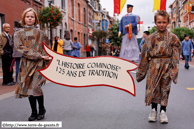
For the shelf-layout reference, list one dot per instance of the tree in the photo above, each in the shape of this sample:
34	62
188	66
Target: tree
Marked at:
181	31
152	30
113	34
99	34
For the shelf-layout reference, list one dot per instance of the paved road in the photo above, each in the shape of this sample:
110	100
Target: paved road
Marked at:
107	108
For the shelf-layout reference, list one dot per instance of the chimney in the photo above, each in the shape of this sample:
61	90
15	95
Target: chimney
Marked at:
107	13
104	8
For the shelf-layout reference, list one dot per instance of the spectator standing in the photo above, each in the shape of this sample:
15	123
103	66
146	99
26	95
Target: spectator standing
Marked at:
186	50
57	45
76	48
6	56
140	29
87	50
92	50
67	43
17	55
146	34
103	49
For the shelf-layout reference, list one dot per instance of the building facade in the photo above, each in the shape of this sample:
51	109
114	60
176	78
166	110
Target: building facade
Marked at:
97	15
180	13
77	19
11	11
90	21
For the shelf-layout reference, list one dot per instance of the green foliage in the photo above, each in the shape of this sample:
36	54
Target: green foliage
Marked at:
50	16
152	30
99	34
113	34
181	31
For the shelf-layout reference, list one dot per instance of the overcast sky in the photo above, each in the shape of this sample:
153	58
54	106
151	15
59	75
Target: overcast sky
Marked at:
143	8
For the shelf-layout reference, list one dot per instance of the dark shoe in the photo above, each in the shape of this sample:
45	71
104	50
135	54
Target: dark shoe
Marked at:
8	84
33	116
41	114
13	83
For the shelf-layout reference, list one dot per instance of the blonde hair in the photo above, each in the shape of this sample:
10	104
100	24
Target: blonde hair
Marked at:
24	15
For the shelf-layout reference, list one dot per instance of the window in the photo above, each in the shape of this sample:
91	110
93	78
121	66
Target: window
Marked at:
60	33
63	4
72	9
84	16
72	35
95	5
81	39
99	7
36	7
179	3
78	36
79	12
28	4
84	39
65	26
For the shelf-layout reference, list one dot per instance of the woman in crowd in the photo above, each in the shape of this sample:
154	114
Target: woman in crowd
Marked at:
87	50
57	45
67	44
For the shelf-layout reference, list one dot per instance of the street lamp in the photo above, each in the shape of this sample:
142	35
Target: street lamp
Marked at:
179	22
51	35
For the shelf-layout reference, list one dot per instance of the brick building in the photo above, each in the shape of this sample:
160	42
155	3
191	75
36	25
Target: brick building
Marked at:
77	19
11	10
179	12
173	15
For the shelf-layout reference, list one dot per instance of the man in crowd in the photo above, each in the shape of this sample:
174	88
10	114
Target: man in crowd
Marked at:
76	48
187	47
6	56
146	34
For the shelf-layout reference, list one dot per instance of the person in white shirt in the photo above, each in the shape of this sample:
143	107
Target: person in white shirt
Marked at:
67	43
140	29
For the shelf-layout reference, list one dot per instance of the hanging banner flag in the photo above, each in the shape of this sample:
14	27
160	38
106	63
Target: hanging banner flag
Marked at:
94	71
104	24
118	6
189	6
159	5
163	5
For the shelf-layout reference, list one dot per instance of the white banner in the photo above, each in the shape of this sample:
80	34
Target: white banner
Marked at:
94	71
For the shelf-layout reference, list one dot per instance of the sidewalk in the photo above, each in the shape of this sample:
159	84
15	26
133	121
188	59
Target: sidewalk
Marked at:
6	89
